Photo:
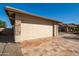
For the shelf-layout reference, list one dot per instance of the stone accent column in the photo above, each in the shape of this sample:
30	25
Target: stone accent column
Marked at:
17	29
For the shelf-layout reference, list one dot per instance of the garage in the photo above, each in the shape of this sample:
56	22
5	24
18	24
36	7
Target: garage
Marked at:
29	26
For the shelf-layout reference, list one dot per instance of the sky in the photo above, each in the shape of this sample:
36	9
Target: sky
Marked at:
64	12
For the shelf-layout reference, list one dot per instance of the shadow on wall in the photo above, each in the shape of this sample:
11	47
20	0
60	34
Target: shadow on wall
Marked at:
6	35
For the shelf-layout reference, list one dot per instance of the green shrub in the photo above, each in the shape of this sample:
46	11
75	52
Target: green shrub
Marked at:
2	24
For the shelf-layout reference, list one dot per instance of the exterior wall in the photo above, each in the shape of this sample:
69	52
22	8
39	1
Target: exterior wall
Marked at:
17	29
35	31
33	28
55	31
27	28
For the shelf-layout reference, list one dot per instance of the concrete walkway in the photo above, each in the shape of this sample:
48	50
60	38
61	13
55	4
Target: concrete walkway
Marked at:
9	48
68	36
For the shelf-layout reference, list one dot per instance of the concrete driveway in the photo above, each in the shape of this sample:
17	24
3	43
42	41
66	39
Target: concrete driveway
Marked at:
69	36
8	47
64	45
57	46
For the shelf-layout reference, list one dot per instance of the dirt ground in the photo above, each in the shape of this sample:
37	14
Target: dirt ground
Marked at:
58	46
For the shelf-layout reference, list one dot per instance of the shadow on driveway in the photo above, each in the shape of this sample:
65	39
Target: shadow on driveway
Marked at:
8	47
73	37
6	38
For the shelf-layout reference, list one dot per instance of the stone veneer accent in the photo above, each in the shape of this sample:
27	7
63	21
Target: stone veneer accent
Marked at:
17	28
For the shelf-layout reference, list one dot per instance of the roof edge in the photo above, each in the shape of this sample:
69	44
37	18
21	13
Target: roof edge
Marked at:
24	12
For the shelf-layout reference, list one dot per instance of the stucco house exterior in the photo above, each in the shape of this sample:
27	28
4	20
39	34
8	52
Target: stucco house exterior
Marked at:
27	26
69	28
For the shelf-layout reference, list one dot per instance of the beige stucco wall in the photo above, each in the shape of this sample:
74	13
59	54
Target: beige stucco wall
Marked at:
35	31
33	28
55	32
